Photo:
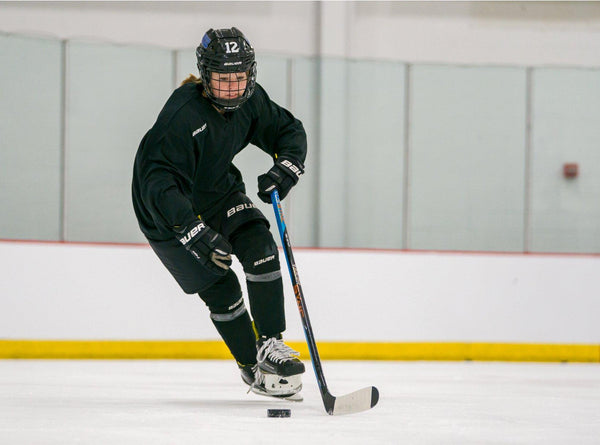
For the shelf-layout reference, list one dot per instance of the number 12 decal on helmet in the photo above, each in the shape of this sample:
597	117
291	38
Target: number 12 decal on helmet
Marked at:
232	47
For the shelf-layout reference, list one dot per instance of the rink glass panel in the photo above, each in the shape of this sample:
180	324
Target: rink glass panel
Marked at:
333	153
467	158
375	159
114	94
565	213
30	138
473	170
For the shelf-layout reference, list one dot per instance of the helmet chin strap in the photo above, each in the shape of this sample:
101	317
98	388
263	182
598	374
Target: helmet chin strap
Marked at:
215	105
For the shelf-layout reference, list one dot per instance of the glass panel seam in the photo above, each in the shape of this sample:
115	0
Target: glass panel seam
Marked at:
62	236
406	149
528	143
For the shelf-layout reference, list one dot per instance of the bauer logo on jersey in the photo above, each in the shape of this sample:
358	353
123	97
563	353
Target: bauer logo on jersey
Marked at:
199	130
232	211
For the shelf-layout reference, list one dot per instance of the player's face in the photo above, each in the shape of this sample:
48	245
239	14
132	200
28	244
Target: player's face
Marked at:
228	85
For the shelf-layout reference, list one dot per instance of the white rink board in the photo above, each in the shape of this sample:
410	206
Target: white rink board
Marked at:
77	291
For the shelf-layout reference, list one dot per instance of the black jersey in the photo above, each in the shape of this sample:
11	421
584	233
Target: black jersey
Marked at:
183	166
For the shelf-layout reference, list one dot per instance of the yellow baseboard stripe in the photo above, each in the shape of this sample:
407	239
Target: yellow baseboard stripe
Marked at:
519	352
143	349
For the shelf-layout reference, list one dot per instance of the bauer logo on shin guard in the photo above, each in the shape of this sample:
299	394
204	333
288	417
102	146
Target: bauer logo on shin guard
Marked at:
264	260
232	211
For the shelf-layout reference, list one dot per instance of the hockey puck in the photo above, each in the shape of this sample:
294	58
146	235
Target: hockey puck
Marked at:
279	413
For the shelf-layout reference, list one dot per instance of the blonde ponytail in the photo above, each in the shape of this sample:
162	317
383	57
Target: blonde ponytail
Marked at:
191	79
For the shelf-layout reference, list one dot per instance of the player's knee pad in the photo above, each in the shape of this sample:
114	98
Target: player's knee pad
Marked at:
257	251
224	298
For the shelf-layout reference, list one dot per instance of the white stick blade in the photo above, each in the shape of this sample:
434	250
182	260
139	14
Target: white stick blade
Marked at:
356	401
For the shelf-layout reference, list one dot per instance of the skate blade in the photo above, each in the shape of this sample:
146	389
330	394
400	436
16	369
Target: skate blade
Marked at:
291	398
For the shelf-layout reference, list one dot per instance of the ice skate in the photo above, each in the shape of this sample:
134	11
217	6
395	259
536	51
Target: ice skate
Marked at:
275	357
279	370
255	379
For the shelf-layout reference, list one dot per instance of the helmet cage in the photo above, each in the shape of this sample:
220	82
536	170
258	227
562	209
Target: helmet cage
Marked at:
226	51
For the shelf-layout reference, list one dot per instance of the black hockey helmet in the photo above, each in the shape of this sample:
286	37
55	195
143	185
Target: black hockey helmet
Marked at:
226	51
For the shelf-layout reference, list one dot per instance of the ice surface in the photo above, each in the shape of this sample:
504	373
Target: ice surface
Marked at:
205	402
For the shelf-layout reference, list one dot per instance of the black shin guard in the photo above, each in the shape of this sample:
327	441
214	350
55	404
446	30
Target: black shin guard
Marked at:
253	244
267	306
229	315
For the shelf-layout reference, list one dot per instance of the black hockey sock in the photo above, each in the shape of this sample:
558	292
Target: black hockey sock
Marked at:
239	337
229	315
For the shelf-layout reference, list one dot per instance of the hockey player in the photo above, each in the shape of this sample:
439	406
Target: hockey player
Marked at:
191	205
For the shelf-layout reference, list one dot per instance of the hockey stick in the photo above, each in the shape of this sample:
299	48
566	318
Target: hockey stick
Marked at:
357	401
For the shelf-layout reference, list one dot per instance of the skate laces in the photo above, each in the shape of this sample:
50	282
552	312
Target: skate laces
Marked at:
259	379
276	351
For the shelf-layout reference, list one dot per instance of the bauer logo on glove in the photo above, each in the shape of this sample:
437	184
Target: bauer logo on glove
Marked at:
283	176
207	246
296	170
195	230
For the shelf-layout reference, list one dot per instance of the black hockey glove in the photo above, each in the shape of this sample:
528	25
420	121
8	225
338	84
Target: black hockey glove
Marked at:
282	176
207	246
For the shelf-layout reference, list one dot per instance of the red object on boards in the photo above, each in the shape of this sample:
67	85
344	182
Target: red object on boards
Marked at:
570	170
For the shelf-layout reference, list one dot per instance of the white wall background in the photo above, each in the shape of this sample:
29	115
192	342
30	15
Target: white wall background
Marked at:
71	291
514	33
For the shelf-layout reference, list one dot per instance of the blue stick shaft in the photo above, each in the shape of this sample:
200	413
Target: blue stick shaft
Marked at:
293	270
